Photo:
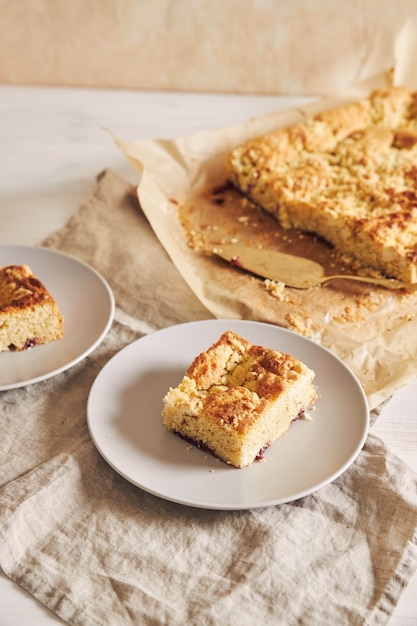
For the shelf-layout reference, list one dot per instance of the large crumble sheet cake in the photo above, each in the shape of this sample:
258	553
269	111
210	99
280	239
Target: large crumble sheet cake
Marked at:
348	174
237	398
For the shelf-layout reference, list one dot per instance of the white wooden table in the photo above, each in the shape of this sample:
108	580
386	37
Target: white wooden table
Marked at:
53	143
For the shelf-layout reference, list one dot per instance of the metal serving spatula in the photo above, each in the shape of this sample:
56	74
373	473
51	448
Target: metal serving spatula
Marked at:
294	271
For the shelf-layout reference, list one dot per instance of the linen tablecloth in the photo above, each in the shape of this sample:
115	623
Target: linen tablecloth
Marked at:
97	550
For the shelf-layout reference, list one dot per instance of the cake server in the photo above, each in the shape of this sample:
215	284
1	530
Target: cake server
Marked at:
293	271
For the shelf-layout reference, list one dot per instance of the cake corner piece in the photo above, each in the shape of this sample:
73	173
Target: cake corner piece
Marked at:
237	398
29	315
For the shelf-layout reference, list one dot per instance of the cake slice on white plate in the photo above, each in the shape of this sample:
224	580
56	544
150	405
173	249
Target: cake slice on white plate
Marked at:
29	315
237	398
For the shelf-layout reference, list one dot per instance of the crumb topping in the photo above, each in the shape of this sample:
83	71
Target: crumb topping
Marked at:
234	379
17	284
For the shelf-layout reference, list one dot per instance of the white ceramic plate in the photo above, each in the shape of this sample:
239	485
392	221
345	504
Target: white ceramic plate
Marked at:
124	418
85	300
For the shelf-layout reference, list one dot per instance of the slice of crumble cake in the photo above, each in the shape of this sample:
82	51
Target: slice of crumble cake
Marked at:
28	313
237	398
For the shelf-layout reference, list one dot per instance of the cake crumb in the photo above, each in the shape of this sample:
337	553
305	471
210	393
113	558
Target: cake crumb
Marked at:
276	289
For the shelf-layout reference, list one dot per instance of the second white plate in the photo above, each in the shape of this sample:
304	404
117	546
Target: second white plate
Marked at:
86	302
124	419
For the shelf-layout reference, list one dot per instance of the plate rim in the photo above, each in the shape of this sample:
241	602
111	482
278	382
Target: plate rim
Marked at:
365	423
44	250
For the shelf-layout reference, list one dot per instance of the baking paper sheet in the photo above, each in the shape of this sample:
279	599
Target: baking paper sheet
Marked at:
184	194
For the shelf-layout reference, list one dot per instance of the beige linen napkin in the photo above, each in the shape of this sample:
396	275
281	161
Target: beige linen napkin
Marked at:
99	551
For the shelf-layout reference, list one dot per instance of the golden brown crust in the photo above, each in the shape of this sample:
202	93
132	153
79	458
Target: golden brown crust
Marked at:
20	288
348	174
